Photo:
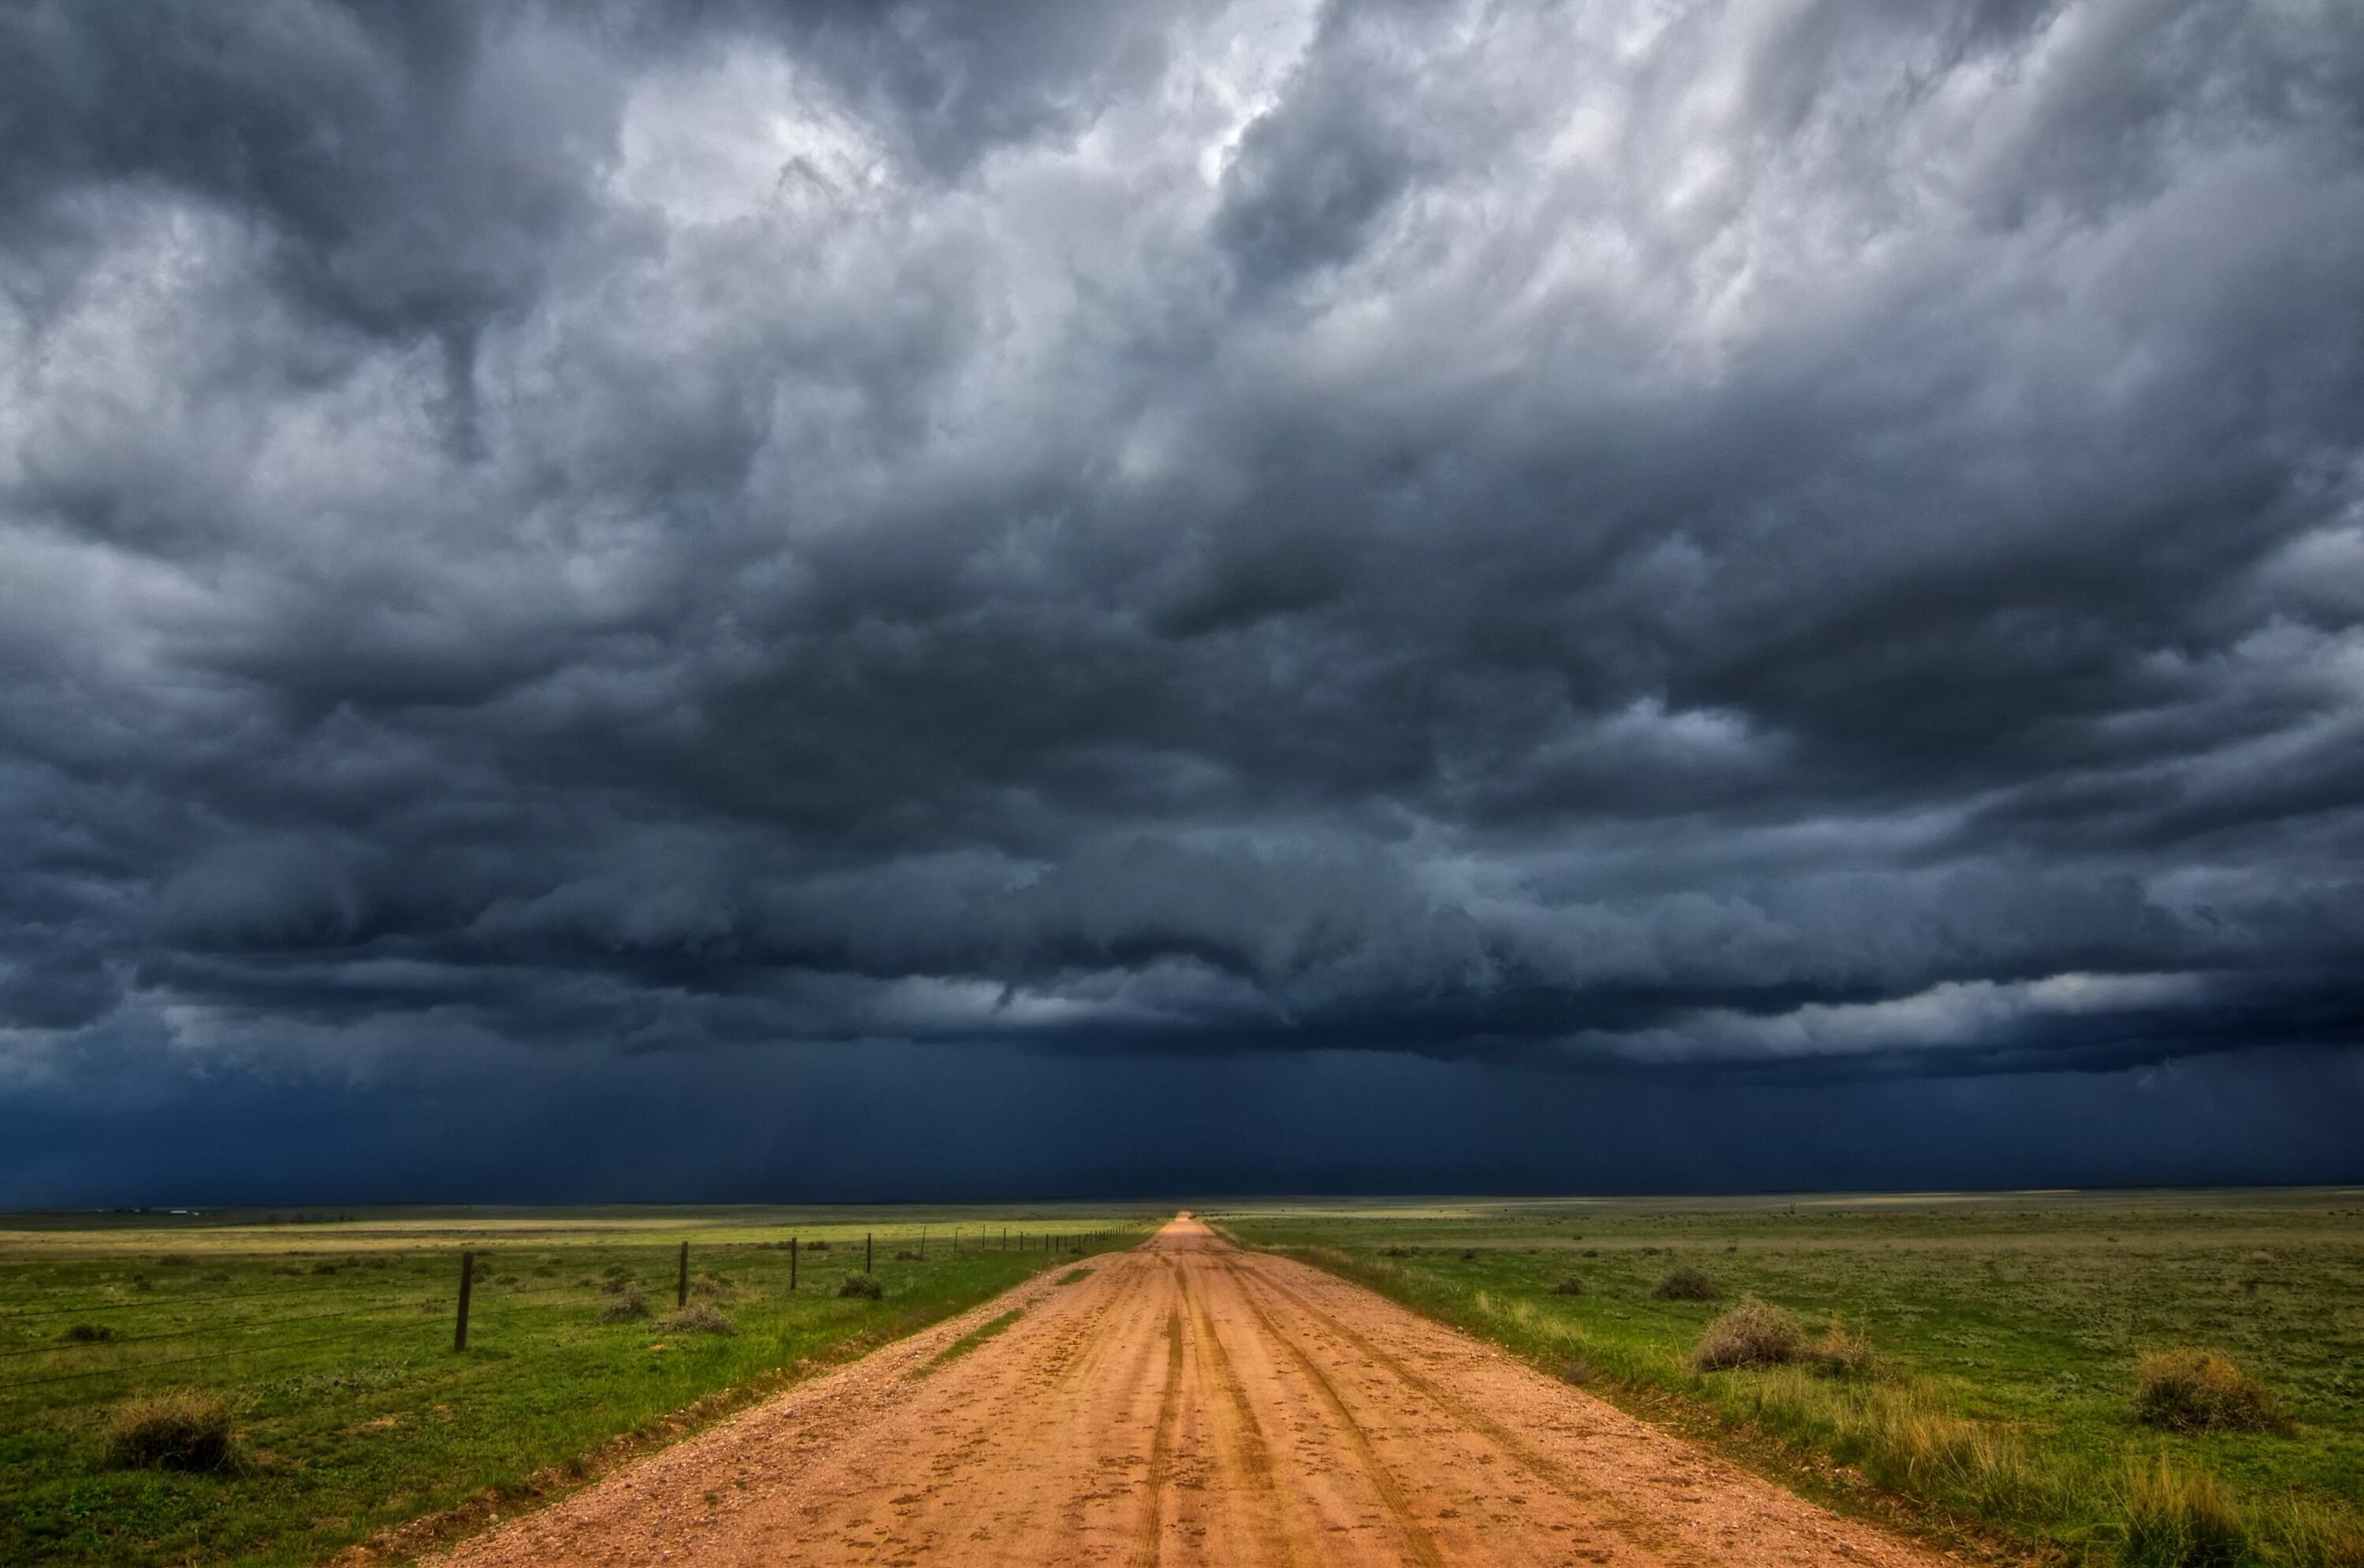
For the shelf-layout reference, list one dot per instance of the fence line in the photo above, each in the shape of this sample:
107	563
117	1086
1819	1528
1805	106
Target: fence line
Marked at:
475	1272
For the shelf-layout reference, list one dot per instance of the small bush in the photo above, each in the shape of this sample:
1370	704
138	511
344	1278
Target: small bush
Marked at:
862	1286
615	1271
905	1255
1398	1251
817	1246
629	1304
618	1284
328	1266
174	1261
1751	1334
1685	1284
88	1333
698	1317
1569	1285
188	1430
1469	1254
2191	1390
2180	1518
1842	1351
216	1276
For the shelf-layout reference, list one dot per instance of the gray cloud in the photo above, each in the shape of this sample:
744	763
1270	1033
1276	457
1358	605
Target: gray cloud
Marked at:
1826	543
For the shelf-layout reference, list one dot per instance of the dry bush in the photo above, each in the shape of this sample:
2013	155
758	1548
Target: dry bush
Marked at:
2180	1518
861	1285
905	1255
1398	1251
629	1304
1751	1334
817	1246
707	1285
184	1429
1469	1254
88	1333
1568	1285
174	1260
698	1317
1842	1351
1685	1284
2191	1390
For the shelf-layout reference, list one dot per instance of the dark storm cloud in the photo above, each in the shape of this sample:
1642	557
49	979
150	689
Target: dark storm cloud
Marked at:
1797	541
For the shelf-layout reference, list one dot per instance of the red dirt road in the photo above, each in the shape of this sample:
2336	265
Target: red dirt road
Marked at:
1187	1403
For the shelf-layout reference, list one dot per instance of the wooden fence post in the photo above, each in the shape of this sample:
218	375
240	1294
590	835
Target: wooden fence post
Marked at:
924	1243
792	1263
467	1287
681	1285
868	1267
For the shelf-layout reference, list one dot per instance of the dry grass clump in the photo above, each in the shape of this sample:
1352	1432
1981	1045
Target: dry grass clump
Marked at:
87	1333
1567	1284
905	1255
627	1305
707	1285
1842	1351
1685	1284
183	1429
862	1286
2191	1390
1751	1334
1398	1251
2180	1518
698	1317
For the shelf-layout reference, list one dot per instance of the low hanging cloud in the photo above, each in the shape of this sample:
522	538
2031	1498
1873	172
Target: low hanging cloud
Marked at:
1823	537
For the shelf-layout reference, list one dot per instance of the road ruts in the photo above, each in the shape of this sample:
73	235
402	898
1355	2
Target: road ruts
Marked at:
1186	1403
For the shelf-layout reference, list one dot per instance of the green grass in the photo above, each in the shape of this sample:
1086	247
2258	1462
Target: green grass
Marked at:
2007	1330
330	1342
977	1337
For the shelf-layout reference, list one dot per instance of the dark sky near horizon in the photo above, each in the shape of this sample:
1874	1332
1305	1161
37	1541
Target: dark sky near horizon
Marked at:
823	600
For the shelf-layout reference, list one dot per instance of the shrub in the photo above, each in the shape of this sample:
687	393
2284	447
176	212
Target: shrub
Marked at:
618	1285
1842	1351
905	1255
698	1317
817	1246
707	1285
174	1260
863	1286
1398	1251
629	1304
2191	1390
1685	1284
88	1333
1751	1334
1469	1254
2180	1518
328	1266
1569	1285
186	1429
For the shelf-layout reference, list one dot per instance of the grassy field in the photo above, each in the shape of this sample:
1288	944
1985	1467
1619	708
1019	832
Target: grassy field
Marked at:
326	1339
2006	1331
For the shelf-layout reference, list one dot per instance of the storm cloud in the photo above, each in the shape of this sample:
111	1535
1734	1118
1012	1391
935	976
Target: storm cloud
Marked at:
1802	542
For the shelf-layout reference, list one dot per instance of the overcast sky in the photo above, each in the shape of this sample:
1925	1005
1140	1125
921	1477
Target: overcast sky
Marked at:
846	599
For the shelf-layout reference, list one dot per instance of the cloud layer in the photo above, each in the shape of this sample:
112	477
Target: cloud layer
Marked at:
1824	538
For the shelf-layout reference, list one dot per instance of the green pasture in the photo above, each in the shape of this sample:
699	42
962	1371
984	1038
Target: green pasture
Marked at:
329	1336
2007	1328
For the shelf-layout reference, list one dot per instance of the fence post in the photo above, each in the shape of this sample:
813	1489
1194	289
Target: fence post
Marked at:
681	1285
467	1286
868	1267
924	1243
792	1263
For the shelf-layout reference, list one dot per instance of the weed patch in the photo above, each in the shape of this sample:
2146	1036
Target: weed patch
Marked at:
184	1429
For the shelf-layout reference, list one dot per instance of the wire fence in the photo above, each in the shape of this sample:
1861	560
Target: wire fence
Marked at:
492	1274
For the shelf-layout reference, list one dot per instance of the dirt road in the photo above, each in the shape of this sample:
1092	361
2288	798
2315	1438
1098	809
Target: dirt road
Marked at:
1186	1403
